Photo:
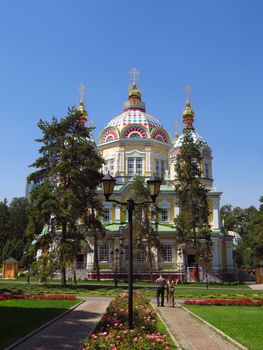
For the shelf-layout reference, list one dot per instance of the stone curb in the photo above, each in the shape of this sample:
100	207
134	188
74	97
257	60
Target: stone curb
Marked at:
167	329
231	340
21	340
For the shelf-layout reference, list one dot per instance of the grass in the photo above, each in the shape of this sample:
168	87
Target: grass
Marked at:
106	288
242	323
20	317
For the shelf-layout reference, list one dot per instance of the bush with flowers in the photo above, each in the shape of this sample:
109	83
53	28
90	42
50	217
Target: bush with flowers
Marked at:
112	331
37	296
225	302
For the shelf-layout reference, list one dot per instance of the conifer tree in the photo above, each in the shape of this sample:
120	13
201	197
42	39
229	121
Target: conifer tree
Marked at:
66	177
192	222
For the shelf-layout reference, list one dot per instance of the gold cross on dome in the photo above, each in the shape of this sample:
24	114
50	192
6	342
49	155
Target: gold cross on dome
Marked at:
187	92
82	89
134	74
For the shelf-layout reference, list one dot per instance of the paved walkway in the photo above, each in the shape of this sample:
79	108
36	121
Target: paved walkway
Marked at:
190	333
66	332
256	286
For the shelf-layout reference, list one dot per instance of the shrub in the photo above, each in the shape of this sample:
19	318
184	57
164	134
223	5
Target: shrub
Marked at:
225	302
112	331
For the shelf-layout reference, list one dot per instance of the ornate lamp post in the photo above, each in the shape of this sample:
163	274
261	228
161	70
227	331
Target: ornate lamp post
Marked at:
116	256
206	255
180	253
154	185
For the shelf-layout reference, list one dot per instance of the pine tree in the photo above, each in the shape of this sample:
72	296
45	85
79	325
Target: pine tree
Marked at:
66	178
192	222
4	226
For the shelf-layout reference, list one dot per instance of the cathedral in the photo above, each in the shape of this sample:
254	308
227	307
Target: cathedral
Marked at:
136	143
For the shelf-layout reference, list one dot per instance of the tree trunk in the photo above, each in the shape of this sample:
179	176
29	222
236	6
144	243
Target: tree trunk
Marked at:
96	265
150	260
63	269
196	258
63	278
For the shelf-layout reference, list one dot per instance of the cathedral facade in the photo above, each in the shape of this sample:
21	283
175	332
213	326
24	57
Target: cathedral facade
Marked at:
136	143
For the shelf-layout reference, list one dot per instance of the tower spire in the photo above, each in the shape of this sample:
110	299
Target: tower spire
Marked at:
134	94
81	107
176	135
134	76
188	113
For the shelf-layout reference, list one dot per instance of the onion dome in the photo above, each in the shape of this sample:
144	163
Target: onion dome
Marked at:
82	110
188	116
81	107
196	138
134	122
188	120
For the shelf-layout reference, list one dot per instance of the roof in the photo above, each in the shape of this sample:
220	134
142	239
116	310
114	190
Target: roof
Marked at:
196	138
10	261
160	227
135	116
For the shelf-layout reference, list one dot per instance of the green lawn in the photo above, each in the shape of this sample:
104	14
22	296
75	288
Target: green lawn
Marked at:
19	317
106	288
243	323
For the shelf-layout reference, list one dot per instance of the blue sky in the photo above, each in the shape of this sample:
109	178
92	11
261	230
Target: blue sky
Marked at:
49	47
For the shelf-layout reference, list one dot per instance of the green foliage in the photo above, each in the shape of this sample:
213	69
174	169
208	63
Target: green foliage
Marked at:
66	177
249	224
145	231
112	331
44	267
192	221
13	222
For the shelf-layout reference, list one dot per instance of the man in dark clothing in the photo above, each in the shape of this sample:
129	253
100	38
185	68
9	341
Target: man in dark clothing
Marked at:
160	282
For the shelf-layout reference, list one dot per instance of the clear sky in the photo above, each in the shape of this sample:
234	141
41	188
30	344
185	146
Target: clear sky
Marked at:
48	48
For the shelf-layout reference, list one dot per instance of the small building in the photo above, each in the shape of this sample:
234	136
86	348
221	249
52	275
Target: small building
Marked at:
10	268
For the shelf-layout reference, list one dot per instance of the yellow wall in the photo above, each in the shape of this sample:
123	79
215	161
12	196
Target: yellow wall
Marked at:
210	217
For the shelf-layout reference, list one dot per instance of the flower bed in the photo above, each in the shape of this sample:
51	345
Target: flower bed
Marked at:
225	302
37	296
112	331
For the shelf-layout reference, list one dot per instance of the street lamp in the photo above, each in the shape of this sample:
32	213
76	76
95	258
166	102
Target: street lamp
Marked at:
154	184
207	255
180	253
116	256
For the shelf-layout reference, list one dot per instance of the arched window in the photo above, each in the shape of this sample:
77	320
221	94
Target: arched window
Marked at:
135	135
159	138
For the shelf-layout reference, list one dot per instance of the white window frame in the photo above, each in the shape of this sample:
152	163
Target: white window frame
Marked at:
164	215
141	255
164	204
106	214
206	170
108	206
135	155
104	253
167	252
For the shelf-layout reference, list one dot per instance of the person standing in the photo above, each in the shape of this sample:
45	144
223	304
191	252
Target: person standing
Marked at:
171	285
160	282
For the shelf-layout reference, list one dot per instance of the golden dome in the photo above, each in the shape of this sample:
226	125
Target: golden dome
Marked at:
134	92
81	108
188	110
188	116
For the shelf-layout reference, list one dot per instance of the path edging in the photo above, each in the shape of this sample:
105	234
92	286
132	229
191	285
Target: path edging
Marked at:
178	346
21	340
231	340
